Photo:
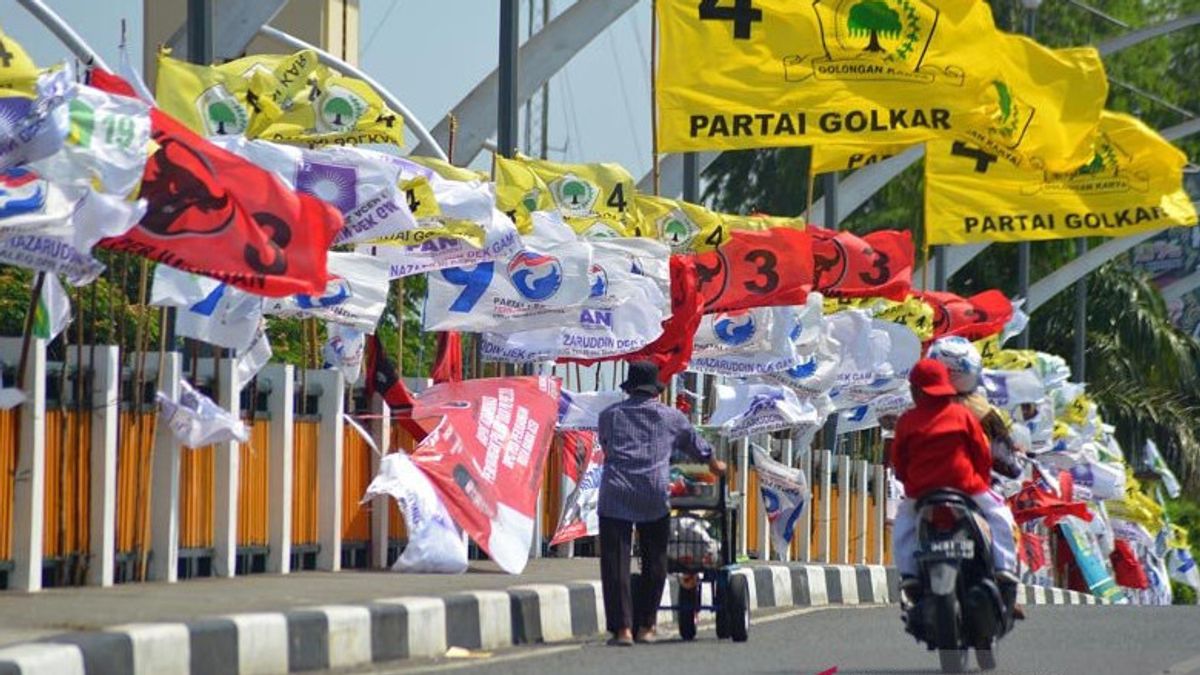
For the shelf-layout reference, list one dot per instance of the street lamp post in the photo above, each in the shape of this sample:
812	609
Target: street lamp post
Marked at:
1023	248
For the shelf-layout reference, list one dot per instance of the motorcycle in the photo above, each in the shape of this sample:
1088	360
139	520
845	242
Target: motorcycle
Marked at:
956	603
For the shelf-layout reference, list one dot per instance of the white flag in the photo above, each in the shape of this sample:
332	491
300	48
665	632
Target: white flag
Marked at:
208	310
130	74
748	409
581	410
1158	465
784	492
356	294
196	421
532	289
866	416
455	203
53	311
1010	388
107	146
742	357
252	359
344	350
863	348
33	128
435	544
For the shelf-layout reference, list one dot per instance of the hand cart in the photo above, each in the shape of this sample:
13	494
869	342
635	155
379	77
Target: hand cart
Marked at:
700	550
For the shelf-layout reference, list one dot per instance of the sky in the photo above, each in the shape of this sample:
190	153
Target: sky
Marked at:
430	54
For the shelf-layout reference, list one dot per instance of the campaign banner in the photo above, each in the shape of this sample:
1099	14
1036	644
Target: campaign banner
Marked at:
196	421
1009	388
741	358
866	416
434	543
486	455
344	350
533	288
756	269
580	514
1087	557
747	409
581	410
784	493
36	127
356	294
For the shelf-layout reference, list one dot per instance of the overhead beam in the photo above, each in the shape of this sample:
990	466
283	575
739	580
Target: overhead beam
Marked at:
1181	287
1060	279
1127	40
235	23
540	57
65	34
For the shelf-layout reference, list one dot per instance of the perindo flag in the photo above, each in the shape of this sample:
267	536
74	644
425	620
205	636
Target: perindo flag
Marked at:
581	410
580	514
107	145
833	157
208	310
784	492
356	294
862	348
287	98
1132	184
464	211
344	350
742	330
778	72
536	287
749	409
1009	388
17	71
33	128
977	317
213	213
486	457
878	264
866	416
756	269
597	200
738	351
361	184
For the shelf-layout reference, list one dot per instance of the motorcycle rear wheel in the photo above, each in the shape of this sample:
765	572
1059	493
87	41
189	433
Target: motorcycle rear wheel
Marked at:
952	656
986	658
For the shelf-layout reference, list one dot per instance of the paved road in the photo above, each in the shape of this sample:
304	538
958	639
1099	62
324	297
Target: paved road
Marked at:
1054	641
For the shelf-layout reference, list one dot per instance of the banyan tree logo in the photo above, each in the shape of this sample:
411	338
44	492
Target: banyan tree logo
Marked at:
339	109
872	40
574	195
677	230
1108	172
222	113
530	199
1012	116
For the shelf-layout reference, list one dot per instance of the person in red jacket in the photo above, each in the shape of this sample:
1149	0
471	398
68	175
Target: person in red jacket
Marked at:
939	443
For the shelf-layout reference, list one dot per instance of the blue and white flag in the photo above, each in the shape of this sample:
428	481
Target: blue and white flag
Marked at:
581	410
33	128
196	421
784	492
1011	388
344	350
356	294
208	310
1158	465
748	409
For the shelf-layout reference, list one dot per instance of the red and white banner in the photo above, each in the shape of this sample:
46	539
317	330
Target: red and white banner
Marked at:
581	485
486	457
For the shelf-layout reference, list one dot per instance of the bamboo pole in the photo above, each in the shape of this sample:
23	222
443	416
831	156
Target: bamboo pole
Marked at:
655	168
144	515
81	447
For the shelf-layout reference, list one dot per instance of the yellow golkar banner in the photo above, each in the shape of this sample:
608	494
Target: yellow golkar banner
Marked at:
750	74
1132	184
596	200
830	157
691	228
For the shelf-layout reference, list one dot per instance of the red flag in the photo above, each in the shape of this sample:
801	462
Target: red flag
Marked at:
448	366
879	264
213	213
1128	571
486	457
579	517
979	316
756	269
383	379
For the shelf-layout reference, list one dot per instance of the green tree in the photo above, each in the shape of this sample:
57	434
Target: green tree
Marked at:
339	108
221	113
676	229
874	17
575	190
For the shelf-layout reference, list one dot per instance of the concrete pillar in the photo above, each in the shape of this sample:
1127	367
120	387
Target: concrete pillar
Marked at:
29	484
281	408
804	546
743	489
825	471
764	524
844	485
105	409
330	459
164	484
381	430
861	503
226	477
879	513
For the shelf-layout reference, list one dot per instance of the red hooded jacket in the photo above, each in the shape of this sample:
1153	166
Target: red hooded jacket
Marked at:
940	444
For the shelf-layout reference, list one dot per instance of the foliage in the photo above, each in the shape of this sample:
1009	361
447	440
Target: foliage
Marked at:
1186	514
1182	594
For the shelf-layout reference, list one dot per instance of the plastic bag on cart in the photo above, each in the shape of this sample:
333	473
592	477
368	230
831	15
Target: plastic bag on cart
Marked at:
691	544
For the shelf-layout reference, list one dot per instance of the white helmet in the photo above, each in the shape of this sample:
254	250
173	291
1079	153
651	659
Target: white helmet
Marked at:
961	358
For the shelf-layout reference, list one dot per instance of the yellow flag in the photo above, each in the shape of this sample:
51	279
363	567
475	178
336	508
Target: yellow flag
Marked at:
597	200
1132	184
285	98
829	157
913	312
691	228
17	70
760	73
447	170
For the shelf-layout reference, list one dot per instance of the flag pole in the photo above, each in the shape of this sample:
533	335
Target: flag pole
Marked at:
655	169
144	525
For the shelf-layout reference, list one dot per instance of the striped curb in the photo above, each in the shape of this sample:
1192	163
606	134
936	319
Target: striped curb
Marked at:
392	629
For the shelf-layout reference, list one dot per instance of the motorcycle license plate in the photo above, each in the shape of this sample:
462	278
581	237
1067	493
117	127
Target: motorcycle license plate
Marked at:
953	549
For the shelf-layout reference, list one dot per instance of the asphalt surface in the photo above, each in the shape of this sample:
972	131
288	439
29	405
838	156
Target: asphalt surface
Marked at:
1054	641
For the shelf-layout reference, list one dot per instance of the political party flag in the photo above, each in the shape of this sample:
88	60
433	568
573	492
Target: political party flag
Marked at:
486	458
356	293
214	213
1132	184
17	70
777	72
107	145
756	269
580	514
979	316
196	421
206	309
461	211
34	128
251	360
597	200
878	264
748	409
581	410
685	227
449	171
434	542
361	184
288	98
344	350
749	342
382	379
784	493
53	310
532	289
1155	462
1009	388
832	157
448	364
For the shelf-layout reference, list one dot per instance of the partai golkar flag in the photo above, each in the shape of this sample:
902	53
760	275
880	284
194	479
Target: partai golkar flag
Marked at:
691	228
830	157
763	73
596	200
1132	184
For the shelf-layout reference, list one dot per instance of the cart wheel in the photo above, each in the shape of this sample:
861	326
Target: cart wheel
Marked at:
738	614
721	600
685	617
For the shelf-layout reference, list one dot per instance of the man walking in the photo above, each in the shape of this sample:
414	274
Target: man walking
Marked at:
638	436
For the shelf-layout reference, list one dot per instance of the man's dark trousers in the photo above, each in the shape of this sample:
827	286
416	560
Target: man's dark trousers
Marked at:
620	605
